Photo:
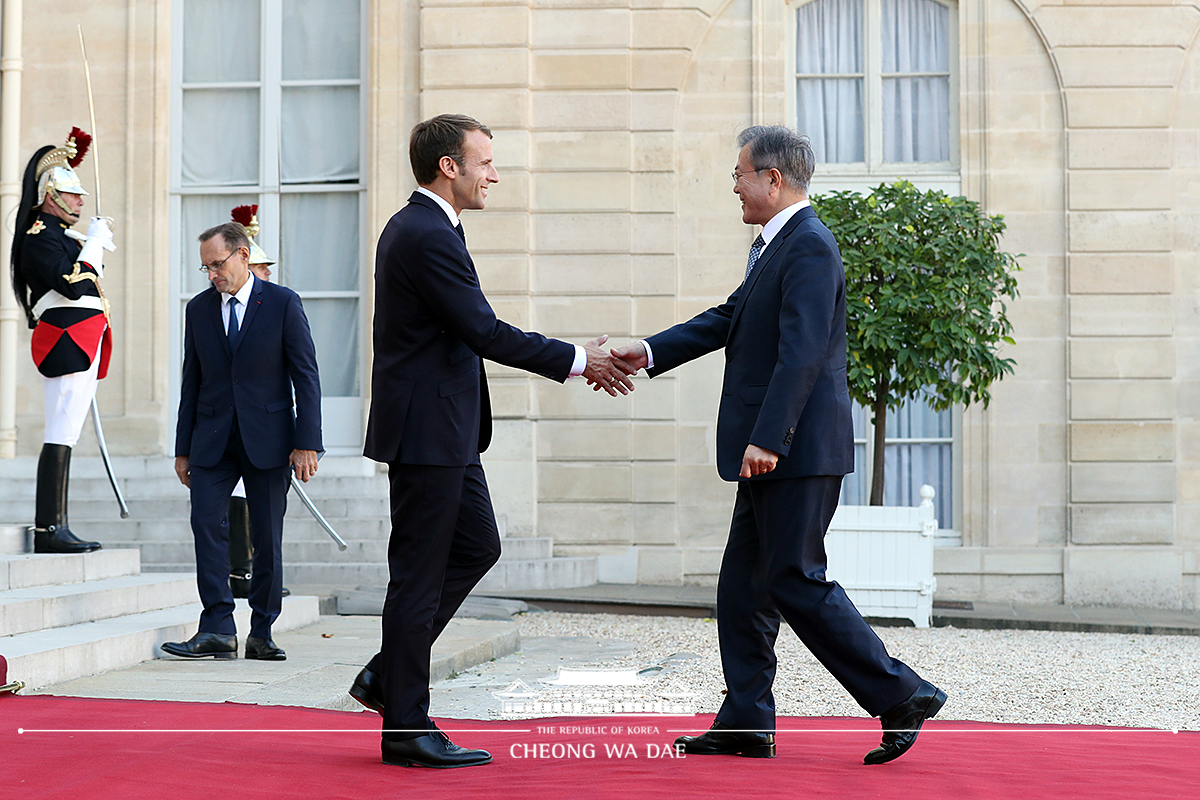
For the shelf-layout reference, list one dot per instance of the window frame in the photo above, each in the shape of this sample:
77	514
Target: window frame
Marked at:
873	169
342	416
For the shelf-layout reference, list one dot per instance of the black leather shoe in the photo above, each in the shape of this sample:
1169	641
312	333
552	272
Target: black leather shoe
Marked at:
263	649
204	644
720	741
902	722
433	749
368	690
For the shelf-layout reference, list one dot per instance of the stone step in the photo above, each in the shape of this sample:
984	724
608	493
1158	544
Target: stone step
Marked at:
28	570
177	507
295	549
40	658
544	573
24	489
39	607
137	468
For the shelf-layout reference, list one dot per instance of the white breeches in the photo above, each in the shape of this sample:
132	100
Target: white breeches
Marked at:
68	399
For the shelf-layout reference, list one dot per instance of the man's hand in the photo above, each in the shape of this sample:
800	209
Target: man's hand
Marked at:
181	469
305	463
604	371
633	354
757	461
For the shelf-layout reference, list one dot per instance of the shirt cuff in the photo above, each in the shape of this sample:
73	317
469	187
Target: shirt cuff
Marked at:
649	354
580	362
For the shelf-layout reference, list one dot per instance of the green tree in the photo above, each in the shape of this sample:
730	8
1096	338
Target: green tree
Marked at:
926	284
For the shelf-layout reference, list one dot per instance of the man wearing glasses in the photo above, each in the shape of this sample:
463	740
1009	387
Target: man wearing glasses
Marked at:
784	435
247	350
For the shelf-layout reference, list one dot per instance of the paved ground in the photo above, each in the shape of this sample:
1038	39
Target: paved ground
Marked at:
477	659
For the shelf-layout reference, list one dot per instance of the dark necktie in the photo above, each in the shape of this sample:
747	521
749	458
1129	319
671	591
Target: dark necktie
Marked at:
233	322
755	249
461	233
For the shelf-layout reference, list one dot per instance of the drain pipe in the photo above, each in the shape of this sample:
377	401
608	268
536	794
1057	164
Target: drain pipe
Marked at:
11	318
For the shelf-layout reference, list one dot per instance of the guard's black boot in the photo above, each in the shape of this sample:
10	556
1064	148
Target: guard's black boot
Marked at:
241	553
50	532
240	557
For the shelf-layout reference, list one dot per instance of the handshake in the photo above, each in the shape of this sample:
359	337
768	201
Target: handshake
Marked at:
611	369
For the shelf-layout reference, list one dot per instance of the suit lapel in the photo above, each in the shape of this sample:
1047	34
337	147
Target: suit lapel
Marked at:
764	259
251	311
218	324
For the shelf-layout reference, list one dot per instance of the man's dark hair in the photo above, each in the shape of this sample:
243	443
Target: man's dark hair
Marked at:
785	149
232	232
441	136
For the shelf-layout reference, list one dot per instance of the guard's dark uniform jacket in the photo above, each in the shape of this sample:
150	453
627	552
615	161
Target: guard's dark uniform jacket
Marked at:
73	318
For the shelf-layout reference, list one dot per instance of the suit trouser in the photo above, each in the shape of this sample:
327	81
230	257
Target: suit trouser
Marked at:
444	539
774	565
266	497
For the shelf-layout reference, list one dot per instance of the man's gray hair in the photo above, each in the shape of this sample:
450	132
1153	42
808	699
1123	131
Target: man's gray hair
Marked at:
232	232
785	149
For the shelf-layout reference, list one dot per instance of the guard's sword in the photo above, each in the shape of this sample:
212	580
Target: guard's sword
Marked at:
112	478
303	495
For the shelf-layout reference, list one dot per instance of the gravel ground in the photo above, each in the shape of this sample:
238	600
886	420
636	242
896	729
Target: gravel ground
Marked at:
1034	677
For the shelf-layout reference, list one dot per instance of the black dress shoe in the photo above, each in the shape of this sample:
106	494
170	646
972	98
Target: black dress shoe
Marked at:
433	749
368	690
720	741
903	721
263	649
204	644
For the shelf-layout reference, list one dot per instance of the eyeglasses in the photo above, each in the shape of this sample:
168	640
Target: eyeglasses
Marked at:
737	176
217	267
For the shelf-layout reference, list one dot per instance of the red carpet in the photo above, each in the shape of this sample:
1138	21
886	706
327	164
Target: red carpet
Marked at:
56	747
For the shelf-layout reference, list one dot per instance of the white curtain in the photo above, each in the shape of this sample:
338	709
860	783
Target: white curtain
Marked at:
318	104
320	253
907	465
320	137
916	109
829	41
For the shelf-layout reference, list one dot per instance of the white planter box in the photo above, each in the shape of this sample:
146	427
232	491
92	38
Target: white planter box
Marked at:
883	557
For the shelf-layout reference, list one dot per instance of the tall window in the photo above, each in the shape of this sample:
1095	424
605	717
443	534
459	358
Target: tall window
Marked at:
875	83
267	108
875	88
919	450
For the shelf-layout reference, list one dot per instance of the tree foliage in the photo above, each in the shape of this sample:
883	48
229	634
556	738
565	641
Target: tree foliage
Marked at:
926	284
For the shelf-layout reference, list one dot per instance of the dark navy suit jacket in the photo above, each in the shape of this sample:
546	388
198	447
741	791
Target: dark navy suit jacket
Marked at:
429	400
274	357
784	335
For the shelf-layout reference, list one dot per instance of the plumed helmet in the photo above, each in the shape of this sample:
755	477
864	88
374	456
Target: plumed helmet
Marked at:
248	217
56	169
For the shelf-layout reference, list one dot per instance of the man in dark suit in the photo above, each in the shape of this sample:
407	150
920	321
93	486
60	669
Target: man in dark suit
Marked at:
247	350
430	419
784	434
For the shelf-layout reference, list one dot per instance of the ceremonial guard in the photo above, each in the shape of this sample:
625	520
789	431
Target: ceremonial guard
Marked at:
56	274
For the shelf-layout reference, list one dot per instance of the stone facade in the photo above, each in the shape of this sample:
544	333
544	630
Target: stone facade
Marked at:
1079	121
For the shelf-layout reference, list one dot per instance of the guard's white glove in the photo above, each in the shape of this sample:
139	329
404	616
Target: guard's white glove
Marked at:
98	240
100	227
